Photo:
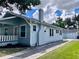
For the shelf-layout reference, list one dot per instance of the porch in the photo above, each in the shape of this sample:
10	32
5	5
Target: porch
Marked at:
8	39
14	30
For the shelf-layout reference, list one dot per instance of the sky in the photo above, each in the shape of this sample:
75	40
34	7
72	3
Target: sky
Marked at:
52	9
55	8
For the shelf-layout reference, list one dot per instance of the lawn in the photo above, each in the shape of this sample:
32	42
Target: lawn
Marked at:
10	50
68	51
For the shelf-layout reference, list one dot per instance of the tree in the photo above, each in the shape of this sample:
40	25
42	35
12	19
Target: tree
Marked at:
60	23
70	23
67	23
22	5
76	20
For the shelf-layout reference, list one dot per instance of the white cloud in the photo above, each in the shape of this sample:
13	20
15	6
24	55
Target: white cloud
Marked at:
51	6
49	14
36	15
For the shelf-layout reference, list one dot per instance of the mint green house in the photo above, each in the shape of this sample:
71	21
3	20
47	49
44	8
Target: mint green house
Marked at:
16	29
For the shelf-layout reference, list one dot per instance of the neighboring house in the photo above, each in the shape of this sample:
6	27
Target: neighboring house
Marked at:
16	28
70	33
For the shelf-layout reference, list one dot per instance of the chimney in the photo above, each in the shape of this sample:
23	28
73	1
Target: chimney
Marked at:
41	15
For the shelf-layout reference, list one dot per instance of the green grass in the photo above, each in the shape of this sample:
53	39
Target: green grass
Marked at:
7	51
68	51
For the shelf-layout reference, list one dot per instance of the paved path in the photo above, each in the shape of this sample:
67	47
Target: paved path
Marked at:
33	53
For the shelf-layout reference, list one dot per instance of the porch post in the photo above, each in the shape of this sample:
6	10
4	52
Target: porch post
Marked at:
1	39
2	29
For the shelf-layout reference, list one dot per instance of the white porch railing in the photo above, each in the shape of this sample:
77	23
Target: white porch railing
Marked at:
6	38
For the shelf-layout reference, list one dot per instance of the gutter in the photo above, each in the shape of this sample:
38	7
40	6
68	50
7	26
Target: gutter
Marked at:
1	19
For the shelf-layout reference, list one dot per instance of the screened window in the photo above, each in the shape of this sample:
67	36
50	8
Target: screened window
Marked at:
22	31
34	27
57	31
6	31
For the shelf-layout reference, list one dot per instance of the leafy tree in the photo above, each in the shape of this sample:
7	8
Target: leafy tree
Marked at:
76	20
69	23
60	23
22	5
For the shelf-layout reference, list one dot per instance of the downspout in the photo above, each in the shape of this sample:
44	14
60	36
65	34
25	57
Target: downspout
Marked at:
39	26
38	34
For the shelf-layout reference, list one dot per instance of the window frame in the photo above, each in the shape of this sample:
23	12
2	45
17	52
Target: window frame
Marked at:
6	31
34	28
20	31
51	32
60	32
57	31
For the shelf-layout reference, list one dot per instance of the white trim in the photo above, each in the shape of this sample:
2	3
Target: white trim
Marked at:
7	18
20	31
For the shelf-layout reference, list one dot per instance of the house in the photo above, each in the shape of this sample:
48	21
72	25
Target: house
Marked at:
20	29
70	33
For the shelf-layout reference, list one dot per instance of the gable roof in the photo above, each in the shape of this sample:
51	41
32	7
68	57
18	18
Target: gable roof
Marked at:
32	20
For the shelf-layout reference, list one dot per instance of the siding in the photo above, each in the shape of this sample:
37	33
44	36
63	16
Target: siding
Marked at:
25	41
68	35
44	37
33	35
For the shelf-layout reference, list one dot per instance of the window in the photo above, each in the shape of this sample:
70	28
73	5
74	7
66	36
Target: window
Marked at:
44	30
22	31
51	32
60	32
57	31
34	28
16	30
6	31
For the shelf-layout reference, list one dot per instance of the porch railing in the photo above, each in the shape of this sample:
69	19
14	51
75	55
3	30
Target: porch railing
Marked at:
6	38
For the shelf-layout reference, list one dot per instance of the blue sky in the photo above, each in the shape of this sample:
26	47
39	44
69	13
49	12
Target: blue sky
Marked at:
76	10
30	13
63	4
63	8
58	12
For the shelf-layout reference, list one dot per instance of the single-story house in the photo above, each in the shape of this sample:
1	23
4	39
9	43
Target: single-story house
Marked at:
20	29
70	33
